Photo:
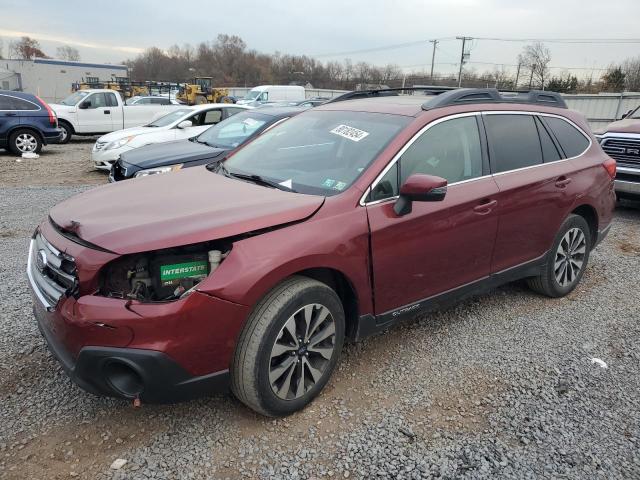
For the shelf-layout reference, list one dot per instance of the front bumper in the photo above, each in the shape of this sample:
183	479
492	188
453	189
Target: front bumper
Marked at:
152	376
627	181
104	159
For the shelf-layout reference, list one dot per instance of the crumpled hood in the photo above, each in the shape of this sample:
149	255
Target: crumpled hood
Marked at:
169	153
181	208
628	125
127	132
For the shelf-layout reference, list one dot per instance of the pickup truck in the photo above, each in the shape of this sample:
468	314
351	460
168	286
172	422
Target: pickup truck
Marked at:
99	111
621	141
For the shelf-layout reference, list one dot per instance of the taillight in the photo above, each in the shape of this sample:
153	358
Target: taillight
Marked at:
610	166
53	120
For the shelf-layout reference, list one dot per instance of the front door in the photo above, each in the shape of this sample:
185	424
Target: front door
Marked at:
98	116
438	246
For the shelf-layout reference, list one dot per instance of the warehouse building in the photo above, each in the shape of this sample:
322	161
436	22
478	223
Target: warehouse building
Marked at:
52	79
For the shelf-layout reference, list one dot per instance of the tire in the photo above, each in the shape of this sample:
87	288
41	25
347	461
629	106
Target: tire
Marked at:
67	132
25	140
559	276
269	362
200	100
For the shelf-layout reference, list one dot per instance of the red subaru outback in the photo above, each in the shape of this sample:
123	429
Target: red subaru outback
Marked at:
334	224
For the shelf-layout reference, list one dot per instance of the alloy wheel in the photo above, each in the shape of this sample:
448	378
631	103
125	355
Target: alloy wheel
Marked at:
302	351
570	257
65	134
26	142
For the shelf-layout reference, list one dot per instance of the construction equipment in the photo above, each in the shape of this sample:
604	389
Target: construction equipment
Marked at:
201	91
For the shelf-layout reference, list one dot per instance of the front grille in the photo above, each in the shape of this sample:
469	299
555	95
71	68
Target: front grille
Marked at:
99	146
119	171
625	151
52	273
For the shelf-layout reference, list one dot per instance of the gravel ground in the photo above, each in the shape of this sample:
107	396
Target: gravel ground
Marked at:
502	386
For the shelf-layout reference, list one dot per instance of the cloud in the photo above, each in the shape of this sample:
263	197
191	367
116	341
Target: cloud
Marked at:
68	41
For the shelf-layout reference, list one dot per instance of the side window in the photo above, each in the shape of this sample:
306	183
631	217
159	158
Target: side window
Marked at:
5	104
111	100
232	111
513	142
387	187
97	100
212	117
549	151
264	97
450	150
160	101
571	140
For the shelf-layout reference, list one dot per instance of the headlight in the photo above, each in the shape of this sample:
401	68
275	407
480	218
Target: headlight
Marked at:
155	171
118	143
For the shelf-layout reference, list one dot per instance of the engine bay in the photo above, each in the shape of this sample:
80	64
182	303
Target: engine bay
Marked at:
162	275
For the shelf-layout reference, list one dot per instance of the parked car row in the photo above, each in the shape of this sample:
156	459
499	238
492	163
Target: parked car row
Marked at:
307	227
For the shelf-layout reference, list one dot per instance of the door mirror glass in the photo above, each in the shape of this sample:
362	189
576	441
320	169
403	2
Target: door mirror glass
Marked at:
185	124
420	188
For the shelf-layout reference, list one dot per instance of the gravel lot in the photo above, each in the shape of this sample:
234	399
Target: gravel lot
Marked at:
502	385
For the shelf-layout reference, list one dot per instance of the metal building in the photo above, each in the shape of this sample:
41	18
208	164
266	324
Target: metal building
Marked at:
52	79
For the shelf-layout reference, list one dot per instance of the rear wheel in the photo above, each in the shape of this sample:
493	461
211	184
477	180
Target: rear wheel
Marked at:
67	131
289	347
25	141
567	260
200	100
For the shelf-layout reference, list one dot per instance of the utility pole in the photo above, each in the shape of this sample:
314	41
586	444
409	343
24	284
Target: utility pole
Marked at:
433	56
463	57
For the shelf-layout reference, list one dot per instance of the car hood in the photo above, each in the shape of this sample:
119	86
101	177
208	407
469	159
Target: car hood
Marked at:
128	132
58	108
185	207
629	125
169	153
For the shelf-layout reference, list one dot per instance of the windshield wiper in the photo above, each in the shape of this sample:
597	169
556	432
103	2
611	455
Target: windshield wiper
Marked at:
253	178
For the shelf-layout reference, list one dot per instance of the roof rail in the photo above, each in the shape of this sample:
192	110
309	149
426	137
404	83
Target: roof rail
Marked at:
387	92
449	96
463	96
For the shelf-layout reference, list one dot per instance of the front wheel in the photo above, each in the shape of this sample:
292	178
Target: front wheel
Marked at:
289	347
567	259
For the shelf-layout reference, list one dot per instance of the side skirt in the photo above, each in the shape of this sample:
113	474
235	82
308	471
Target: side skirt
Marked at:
371	324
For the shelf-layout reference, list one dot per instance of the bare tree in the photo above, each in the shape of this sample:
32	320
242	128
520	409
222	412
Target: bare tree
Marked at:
1	48
536	57
26	48
631	69
67	52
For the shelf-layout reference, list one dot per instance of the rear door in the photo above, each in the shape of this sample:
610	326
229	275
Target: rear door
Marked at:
533	178
439	245
10	116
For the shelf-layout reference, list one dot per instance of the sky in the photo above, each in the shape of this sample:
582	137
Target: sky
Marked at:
113	31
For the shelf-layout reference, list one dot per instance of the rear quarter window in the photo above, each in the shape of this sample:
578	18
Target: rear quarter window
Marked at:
9	102
571	140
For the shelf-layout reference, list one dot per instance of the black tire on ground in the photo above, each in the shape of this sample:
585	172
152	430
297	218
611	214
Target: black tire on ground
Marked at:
253	361
25	140
67	132
547	283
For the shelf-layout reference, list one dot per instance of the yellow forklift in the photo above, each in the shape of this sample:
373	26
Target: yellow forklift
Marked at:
201	91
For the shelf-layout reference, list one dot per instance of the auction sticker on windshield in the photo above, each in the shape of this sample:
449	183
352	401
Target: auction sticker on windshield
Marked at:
350	132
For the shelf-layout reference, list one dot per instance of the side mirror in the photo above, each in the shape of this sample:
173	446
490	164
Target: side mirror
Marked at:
185	124
419	188
84	105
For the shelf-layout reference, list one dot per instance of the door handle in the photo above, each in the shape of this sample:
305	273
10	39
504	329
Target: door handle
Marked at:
485	207
9	114
563	182
107	112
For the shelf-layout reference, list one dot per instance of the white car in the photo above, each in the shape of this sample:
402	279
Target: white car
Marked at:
180	124
152	100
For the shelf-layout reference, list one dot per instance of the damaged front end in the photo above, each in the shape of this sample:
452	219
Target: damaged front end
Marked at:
162	275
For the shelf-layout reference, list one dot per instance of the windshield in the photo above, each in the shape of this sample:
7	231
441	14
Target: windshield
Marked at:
318	152
169	118
252	94
74	98
235	130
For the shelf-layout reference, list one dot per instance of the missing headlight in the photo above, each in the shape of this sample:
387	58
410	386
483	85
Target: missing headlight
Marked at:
162	275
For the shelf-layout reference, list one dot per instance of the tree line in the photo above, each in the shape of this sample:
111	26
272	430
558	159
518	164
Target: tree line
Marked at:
229	61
